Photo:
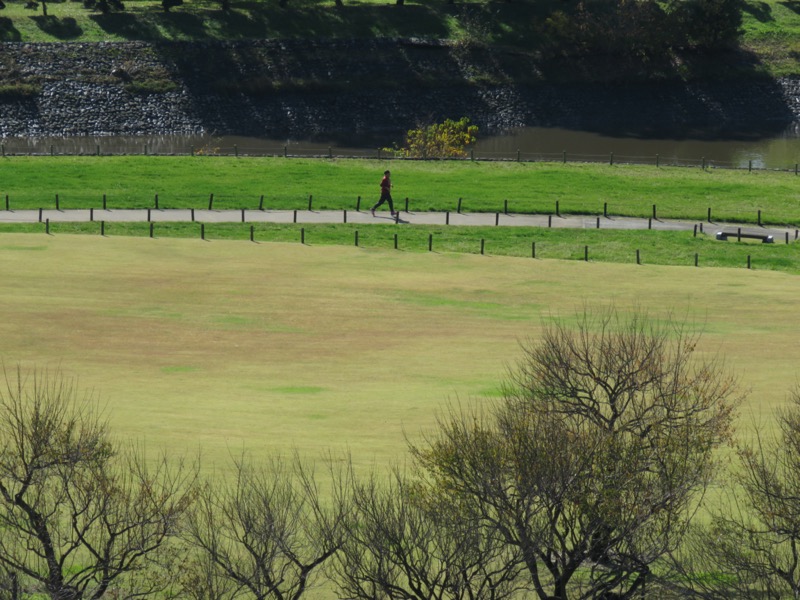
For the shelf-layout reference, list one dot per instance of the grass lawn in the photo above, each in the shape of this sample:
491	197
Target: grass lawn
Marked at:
224	344
182	182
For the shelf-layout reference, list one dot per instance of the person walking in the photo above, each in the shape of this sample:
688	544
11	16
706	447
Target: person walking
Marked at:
386	193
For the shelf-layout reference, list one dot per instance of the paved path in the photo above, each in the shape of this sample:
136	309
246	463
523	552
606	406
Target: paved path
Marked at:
364	217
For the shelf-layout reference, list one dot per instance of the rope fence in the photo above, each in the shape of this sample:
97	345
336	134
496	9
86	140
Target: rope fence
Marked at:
92	148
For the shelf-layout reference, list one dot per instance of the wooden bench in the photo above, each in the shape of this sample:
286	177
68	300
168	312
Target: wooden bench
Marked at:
765	239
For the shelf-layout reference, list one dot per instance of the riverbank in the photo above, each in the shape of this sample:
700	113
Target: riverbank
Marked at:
338	88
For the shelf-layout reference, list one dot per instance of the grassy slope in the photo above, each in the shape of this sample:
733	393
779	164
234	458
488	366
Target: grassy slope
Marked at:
180	182
770	32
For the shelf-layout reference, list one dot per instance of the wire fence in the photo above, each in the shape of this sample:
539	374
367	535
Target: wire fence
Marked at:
117	147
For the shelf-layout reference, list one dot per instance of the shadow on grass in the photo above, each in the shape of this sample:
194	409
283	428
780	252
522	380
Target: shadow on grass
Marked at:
760	11
8	33
63	29
128	26
791	5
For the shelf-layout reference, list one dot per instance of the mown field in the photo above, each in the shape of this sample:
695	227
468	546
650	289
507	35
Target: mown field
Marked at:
223	344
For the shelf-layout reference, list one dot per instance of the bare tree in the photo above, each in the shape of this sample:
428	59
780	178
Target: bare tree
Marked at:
408	542
267	529
78	515
593	461
751	549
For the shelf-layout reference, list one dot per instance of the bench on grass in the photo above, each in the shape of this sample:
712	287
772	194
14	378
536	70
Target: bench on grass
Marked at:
765	239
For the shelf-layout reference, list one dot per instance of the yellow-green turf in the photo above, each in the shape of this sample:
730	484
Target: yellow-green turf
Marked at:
229	344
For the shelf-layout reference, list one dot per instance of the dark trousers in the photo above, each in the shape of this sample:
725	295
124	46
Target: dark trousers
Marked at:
385	197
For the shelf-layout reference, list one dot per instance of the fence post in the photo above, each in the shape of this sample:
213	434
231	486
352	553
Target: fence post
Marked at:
152	228
406	203
261	202
695	230
650	223
98	149
102	228
358	204
749	166
738	234
202	231
586	254
605	210
344	215
156	203
496	219
430	242
459	206
549	220
148	215
7	205
558	209
243	216
210	201
709	214
104	202
598	222
303	236
748	261
533	249
517	154
191	211
252	233
294	216
310	197
612	159
447	217
47	226
655	218
57	205
482	245
395	241
638	257
505	206
696	259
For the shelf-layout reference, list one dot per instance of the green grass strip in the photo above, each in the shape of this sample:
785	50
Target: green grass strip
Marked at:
541	188
611	246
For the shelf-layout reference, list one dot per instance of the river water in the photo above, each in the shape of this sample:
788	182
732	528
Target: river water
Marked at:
531	143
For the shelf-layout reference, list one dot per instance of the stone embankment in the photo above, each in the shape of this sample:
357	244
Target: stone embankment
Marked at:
303	89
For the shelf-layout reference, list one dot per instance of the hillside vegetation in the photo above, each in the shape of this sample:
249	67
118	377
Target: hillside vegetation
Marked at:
601	40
